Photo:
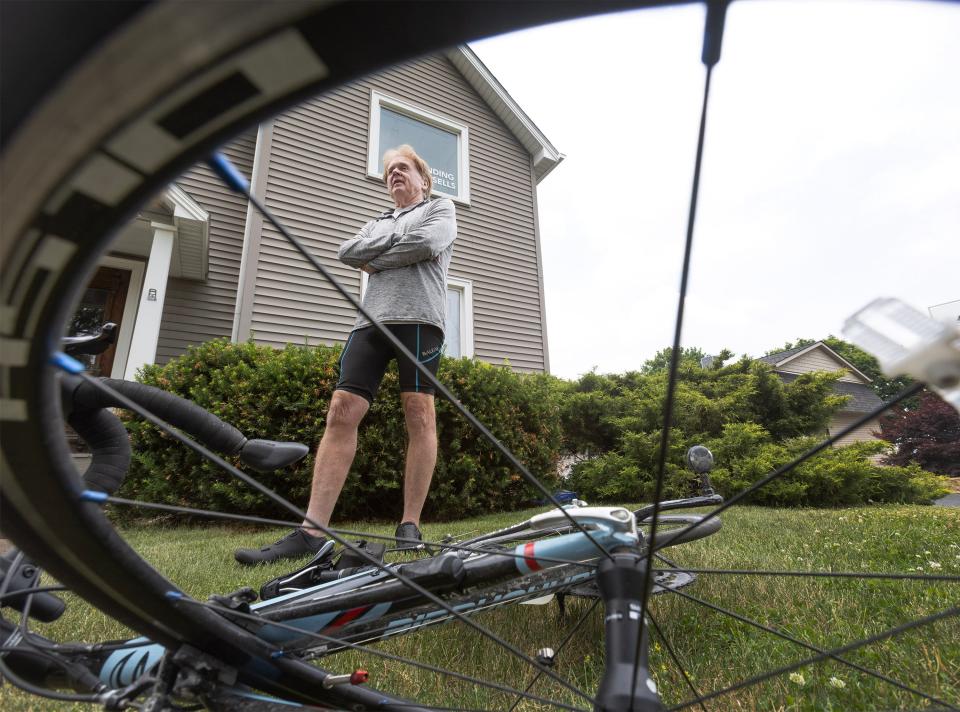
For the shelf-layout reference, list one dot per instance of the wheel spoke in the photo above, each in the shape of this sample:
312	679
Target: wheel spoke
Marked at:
676	661
822	653
779	472
560	647
392	572
232	179
176	509
712	38
824	574
230	613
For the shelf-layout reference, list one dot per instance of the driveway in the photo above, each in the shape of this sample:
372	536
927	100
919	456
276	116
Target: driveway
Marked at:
951	500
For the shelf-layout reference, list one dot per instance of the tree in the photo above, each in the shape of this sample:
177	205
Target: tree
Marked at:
688	355
928	435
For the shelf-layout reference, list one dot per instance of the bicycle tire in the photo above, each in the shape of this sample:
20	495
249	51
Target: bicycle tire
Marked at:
46	155
49	241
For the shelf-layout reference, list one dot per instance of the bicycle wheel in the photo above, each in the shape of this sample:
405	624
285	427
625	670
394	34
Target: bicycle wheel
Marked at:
66	188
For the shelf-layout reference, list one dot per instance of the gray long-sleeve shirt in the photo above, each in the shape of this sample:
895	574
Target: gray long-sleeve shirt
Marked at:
412	249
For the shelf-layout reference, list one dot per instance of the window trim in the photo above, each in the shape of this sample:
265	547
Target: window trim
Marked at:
465	287
375	170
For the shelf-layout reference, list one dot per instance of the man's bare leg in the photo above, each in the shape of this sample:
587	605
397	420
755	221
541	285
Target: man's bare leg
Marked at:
421	419
338	446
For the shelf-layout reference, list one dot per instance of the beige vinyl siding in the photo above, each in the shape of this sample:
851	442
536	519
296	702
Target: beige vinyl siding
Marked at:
864	432
817	360
195	312
317	185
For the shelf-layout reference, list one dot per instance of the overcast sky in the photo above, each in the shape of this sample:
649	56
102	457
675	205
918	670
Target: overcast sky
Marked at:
831	174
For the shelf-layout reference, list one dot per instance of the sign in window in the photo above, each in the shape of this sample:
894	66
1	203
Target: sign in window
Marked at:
441	142
436	146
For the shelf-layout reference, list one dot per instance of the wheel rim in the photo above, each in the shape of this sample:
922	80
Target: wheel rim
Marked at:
33	383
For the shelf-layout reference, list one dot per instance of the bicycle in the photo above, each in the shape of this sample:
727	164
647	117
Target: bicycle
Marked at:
345	607
55	220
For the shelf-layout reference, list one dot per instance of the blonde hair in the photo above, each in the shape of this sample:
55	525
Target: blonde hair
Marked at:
406	150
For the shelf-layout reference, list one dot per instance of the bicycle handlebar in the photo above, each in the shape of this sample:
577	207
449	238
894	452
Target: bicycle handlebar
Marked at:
86	409
91	345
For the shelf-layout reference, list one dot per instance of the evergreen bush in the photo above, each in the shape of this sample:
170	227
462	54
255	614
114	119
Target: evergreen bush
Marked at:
746	453
284	395
753	422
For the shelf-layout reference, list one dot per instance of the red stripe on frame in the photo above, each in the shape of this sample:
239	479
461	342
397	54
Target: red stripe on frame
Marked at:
348	616
528	557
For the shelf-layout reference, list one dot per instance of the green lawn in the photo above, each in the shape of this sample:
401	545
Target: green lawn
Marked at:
716	650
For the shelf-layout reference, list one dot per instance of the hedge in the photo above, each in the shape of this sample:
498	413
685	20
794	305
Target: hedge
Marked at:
613	420
284	394
746	453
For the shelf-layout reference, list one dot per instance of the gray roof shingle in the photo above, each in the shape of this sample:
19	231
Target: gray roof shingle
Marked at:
774	359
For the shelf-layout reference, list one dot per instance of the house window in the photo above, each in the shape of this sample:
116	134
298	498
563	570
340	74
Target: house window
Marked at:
458	333
442	142
458	330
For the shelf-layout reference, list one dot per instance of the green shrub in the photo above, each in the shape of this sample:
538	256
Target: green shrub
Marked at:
599	410
284	394
746	453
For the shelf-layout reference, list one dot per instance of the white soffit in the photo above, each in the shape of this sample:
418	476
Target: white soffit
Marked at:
193	234
545	156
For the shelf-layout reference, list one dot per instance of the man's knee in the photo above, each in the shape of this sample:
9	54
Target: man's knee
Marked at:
346	410
420	415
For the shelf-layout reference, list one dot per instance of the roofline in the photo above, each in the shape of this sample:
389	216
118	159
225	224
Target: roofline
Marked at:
840	358
545	155
182	204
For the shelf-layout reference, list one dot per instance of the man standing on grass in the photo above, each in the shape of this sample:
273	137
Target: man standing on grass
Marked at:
406	252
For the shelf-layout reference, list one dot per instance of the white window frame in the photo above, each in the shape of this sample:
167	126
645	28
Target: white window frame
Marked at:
374	167
465	287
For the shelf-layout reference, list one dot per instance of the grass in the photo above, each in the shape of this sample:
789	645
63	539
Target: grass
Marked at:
716	650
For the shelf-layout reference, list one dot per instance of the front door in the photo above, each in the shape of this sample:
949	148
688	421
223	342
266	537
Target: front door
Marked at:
102	302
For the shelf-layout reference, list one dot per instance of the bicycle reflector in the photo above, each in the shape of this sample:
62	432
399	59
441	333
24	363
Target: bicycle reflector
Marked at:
907	342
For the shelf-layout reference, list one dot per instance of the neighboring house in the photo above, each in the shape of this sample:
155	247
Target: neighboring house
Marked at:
853	383
197	264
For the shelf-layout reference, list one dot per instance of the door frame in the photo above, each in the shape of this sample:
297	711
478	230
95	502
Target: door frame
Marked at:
130	307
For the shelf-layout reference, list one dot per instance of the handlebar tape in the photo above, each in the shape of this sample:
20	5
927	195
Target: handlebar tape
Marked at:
179	412
103	432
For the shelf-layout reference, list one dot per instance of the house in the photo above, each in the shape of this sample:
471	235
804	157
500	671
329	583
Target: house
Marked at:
199	264
853	383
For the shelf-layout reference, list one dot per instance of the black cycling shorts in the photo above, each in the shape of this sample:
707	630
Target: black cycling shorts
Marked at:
368	352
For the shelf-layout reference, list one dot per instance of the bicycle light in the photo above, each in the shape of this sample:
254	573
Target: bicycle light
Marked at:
700	459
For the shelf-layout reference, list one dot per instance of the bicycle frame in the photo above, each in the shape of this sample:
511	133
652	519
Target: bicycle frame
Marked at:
343	609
